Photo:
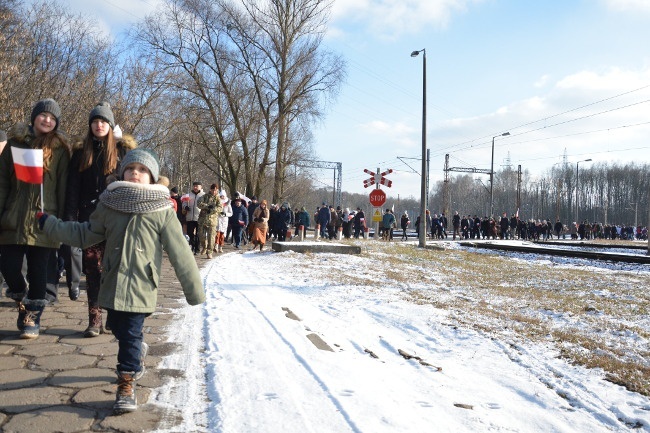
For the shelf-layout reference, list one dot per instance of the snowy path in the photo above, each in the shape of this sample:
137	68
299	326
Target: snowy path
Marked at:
262	373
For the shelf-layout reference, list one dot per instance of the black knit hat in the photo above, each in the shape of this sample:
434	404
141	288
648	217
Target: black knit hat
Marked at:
48	105
3	136
102	111
143	156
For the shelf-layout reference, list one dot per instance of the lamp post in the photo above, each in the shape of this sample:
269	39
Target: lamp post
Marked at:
577	165
492	174
423	182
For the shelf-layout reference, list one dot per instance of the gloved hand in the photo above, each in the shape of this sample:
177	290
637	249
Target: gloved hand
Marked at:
223	214
211	207
187	208
41	217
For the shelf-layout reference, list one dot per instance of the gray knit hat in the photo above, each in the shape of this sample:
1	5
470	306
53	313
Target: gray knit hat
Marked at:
145	157
102	111
3	136
48	105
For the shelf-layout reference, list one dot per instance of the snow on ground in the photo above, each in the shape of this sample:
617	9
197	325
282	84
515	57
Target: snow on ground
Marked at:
257	370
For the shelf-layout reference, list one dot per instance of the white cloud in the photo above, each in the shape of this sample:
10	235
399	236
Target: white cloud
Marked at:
612	79
391	18
642	6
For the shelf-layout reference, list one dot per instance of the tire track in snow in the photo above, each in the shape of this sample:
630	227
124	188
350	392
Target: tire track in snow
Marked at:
278	336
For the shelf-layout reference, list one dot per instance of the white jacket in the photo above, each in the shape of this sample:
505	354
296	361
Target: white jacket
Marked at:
222	225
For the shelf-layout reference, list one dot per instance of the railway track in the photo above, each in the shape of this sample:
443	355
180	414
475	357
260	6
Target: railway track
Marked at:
549	248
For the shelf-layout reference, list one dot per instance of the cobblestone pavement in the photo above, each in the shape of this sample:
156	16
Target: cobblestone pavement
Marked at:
63	382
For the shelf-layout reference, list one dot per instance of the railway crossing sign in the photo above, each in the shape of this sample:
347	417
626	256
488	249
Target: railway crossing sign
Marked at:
377	178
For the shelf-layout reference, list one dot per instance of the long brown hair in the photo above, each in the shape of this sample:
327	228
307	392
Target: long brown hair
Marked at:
110	152
47	142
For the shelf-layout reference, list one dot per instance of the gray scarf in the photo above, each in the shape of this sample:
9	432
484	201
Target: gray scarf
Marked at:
129	197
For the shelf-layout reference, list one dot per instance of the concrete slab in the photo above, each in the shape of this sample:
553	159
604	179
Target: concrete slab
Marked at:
64	362
316	247
19	378
52	419
27	399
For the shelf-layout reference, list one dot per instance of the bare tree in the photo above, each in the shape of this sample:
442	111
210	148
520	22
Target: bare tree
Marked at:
287	36
253	75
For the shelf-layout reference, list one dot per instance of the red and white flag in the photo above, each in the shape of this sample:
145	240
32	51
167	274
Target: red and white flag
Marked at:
28	164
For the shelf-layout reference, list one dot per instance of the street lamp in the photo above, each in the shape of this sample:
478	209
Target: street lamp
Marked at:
577	164
423	182
492	174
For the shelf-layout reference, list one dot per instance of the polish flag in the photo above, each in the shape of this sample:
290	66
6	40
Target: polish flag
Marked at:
28	164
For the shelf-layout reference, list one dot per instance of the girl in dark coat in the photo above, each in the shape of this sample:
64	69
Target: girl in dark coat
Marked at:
20	238
94	159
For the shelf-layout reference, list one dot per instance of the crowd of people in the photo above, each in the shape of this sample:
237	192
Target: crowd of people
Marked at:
209	223
513	227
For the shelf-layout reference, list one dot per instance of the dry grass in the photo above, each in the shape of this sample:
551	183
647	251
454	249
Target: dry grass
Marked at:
598	319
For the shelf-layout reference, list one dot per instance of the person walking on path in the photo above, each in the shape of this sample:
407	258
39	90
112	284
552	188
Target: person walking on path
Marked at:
283	222
222	222
95	158
210	205
455	222
260	225
323	218
20	197
238	221
192	213
359	222
404	223
135	218
388	222
302	220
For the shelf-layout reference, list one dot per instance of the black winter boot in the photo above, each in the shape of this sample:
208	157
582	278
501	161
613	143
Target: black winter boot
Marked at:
125	400
32	321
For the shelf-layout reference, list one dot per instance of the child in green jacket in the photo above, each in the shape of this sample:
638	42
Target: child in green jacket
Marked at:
135	218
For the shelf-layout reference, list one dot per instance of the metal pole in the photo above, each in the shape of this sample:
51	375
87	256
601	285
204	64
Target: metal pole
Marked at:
492	181
423	176
492	174
577	164
423	193
577	181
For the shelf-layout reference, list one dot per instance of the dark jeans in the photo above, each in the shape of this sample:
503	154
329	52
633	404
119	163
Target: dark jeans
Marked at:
236	234
193	233
127	329
72	263
40	271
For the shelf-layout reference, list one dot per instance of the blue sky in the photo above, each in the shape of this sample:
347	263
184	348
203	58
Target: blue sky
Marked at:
562	76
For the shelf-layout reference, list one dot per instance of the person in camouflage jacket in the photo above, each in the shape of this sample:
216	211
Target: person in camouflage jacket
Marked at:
211	209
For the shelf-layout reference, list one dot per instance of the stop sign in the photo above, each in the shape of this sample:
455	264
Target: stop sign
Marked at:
377	198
